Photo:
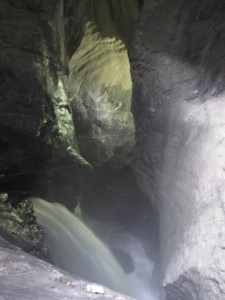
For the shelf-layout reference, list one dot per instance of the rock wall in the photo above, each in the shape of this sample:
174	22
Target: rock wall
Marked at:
100	85
100	91
177	65
38	149
39	152
37	131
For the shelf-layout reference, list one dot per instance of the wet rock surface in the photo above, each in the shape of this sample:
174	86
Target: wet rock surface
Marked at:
38	149
100	93
177	65
23	276
18	225
177	62
37	140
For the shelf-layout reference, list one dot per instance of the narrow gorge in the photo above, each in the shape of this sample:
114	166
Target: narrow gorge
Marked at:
112	169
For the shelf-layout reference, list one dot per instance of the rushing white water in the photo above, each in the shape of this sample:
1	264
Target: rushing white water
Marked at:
117	237
75	248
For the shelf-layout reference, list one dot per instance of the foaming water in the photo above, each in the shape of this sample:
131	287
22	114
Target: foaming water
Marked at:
143	266
117	237
75	248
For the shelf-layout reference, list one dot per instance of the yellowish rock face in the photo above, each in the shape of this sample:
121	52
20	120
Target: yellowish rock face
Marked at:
100	91
103	58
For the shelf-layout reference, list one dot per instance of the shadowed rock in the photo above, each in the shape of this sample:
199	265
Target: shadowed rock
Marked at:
37	135
177	63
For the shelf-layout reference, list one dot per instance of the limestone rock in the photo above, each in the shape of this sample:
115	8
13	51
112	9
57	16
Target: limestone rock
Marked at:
115	18
18	225
177	63
37	135
100	89
26	277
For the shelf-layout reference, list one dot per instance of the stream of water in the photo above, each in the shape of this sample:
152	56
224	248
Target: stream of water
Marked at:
75	248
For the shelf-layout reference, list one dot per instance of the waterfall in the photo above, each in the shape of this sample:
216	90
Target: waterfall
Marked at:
75	248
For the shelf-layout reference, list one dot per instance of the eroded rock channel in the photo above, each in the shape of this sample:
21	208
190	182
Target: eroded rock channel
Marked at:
114	109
